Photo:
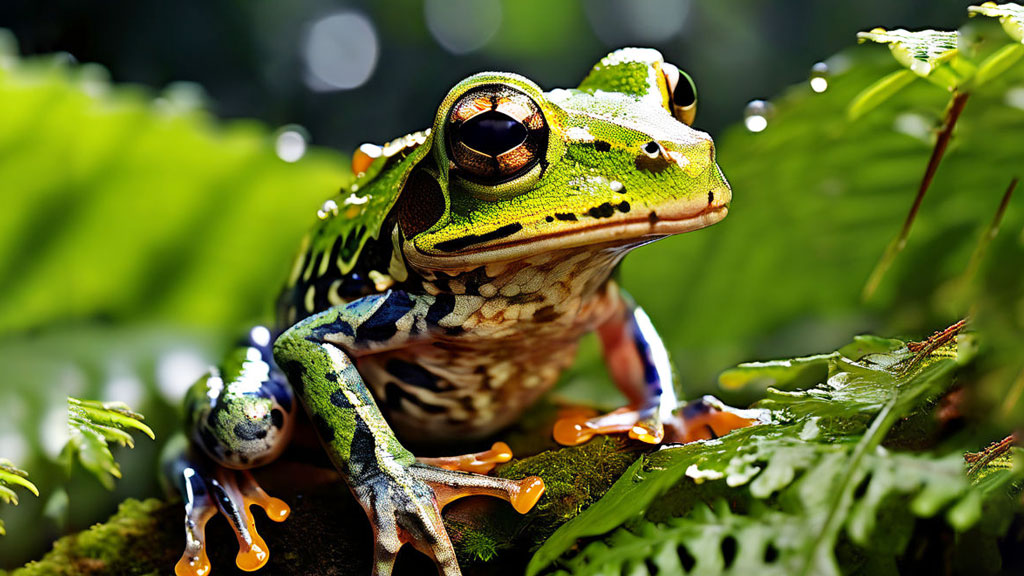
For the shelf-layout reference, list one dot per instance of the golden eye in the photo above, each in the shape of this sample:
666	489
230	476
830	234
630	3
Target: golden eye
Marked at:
682	93
495	134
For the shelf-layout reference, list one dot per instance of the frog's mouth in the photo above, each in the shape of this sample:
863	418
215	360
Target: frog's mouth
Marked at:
514	241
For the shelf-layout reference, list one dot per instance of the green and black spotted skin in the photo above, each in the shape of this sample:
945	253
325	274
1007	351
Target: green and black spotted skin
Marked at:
469	258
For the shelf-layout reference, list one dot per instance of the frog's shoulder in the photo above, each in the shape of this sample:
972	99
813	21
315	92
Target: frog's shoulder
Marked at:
351	252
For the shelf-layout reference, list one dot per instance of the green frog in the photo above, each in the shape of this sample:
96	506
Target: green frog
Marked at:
445	291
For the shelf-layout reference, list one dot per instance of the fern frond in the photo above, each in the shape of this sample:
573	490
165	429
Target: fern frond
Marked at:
12	476
816	477
93	425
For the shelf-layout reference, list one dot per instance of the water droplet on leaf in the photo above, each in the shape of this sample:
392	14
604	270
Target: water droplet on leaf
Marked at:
819	77
756	115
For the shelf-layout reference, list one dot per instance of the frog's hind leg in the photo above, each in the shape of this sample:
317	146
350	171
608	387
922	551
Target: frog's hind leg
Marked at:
239	417
640	367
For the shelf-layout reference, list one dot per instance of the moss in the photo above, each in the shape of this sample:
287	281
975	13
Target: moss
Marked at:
490	538
488	533
131	542
574	477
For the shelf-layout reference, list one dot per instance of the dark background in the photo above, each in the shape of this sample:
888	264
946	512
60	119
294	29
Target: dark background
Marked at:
251	57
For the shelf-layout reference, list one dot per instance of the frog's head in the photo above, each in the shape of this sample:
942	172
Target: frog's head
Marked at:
516	171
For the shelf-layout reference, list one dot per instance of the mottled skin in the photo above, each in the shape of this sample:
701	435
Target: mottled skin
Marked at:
446	290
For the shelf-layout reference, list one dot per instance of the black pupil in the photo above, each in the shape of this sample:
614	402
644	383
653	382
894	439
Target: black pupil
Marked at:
652	148
683	95
492	133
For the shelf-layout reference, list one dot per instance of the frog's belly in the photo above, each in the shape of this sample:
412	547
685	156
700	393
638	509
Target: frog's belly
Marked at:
446	391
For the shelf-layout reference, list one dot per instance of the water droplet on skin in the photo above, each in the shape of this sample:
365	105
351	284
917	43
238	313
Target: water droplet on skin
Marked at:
819	77
756	114
329	208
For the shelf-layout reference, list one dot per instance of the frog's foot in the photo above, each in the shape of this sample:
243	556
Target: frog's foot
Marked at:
232	492
405	508
701	419
708	418
643	424
479	462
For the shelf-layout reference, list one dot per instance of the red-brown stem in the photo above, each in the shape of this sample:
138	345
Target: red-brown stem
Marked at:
955	108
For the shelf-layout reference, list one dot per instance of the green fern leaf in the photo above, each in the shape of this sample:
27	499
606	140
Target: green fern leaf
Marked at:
816	476
11	476
1010	15
93	425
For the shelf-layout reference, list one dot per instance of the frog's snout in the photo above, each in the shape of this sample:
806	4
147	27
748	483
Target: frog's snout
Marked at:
693	158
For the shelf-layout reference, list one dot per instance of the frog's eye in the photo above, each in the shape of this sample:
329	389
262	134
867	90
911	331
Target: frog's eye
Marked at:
495	134
682	94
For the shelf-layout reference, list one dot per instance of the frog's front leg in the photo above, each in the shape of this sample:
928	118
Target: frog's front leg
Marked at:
239	417
639	364
401	497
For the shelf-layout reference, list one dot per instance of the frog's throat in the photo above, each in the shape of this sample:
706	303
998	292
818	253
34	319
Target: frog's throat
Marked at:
629	232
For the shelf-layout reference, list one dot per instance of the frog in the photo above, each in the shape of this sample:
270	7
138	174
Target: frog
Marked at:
444	291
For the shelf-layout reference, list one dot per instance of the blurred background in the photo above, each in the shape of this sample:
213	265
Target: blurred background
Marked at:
144	228
351	72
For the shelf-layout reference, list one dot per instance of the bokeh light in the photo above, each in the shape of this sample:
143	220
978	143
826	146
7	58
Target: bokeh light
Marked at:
756	114
290	144
341	52
622	22
1015	97
462	26
819	77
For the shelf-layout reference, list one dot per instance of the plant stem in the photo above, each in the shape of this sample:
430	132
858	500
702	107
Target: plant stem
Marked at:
986	238
956	106
837	514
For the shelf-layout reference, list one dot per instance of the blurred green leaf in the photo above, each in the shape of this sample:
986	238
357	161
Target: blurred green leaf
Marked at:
998	63
127	208
139	236
879	92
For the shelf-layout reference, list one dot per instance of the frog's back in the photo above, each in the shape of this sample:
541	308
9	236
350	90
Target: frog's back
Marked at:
352	251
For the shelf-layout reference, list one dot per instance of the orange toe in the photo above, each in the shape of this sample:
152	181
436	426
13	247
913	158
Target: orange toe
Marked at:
193	565
646	434
529	492
573	430
478	463
714	424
